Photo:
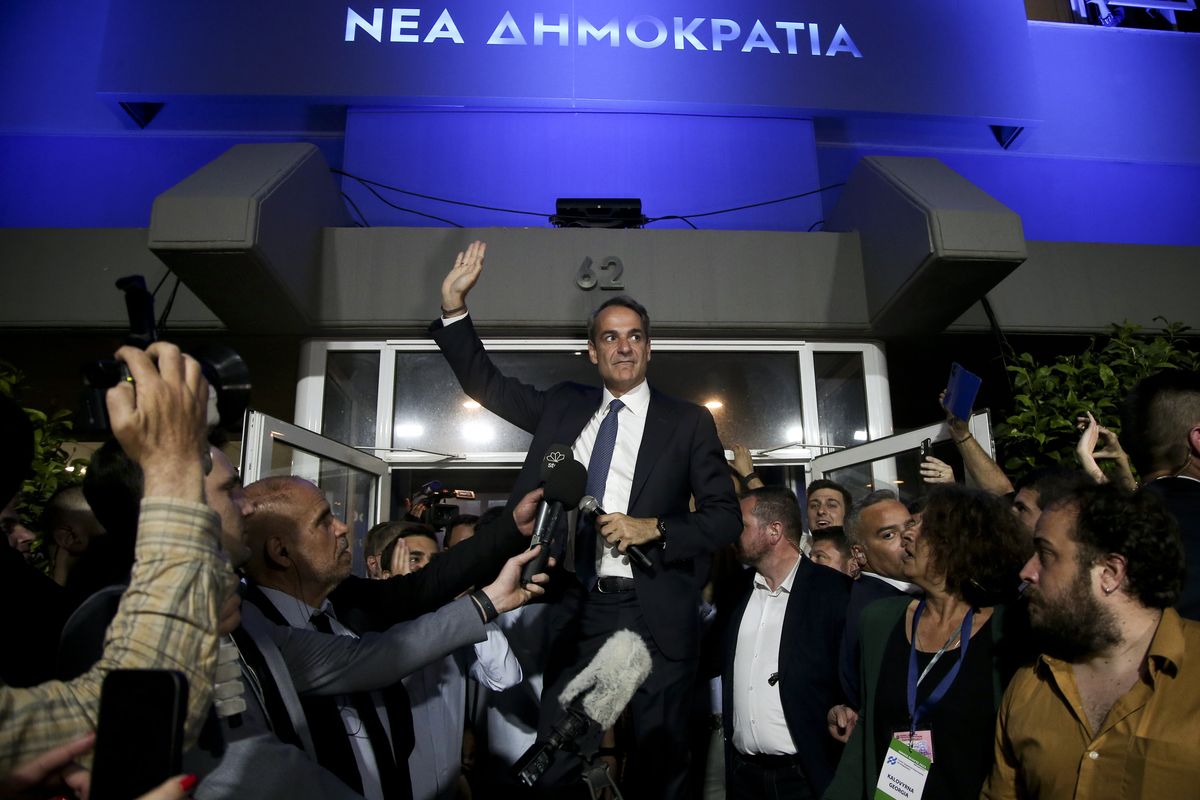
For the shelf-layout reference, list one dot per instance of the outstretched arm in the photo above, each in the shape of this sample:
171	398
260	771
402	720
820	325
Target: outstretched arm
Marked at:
979	465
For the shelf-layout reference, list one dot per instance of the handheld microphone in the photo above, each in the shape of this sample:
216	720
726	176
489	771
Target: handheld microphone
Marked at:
565	481
593	701
589	505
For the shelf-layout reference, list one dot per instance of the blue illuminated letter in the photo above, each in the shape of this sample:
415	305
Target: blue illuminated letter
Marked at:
660	29
759	38
509	25
540	28
399	23
842	43
687	34
611	29
791	28
444	28
374	28
724	30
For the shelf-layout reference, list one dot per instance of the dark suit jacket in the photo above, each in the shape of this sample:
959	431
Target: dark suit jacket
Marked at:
680	456
808	666
867	589
1182	498
367	605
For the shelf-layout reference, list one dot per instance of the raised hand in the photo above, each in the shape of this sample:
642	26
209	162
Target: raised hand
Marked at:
462	277
934	470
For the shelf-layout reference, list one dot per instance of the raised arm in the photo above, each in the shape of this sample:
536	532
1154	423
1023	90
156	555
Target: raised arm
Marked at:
1093	433
979	465
454	332
461	278
168	617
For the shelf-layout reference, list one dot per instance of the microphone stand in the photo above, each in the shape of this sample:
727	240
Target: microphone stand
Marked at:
596	775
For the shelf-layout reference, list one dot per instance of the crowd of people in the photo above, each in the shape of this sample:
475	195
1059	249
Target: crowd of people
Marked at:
996	638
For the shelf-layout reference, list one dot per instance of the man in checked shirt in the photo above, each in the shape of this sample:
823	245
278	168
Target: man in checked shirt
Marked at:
168	618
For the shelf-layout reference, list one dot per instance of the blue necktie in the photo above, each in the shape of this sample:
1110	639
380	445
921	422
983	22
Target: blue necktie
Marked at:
598	464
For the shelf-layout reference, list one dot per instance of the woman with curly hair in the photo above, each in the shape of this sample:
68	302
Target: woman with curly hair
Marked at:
934	669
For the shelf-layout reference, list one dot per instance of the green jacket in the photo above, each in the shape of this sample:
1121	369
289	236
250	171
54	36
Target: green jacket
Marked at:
858	771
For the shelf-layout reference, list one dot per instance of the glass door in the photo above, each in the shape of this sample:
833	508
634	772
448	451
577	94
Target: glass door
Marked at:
893	462
356	484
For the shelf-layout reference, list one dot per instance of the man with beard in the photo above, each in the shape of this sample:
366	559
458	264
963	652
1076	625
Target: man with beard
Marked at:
1109	707
780	672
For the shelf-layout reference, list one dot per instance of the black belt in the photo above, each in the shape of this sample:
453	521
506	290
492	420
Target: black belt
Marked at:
768	761
612	584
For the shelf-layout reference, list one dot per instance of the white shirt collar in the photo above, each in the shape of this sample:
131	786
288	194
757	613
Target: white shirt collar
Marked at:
785	585
298	613
636	399
907	588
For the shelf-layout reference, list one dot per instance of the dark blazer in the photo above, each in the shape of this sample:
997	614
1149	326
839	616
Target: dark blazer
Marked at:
867	589
808	666
1182	499
680	456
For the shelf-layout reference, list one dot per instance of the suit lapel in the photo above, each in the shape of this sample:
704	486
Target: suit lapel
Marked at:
660	425
796	613
575	416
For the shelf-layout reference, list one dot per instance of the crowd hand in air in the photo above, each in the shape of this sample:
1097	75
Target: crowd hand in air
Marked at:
934	470
1093	434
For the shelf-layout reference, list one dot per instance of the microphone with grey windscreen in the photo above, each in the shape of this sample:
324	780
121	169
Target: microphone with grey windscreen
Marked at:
565	481
588	505
592	701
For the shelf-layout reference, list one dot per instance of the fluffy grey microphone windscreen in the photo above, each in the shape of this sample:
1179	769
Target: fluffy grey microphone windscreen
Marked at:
618	669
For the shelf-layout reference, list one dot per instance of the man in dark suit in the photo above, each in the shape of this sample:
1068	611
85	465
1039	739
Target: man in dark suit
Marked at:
874	526
647	454
781	649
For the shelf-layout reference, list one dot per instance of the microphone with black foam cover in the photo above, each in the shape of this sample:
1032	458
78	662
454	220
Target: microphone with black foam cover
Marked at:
592	702
589	505
565	480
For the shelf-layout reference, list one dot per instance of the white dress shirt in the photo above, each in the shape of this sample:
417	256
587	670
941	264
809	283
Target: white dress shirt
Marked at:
299	615
630	425
438	694
759	727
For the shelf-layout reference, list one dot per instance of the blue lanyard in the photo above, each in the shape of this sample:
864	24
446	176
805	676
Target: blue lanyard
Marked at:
915	712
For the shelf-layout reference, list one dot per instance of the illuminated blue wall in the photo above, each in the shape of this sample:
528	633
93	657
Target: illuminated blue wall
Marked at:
1115	157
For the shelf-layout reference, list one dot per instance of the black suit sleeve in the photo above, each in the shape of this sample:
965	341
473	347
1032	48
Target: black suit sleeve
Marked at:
516	402
717	520
376	605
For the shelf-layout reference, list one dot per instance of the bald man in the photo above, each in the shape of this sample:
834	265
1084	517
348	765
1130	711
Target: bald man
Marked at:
299	564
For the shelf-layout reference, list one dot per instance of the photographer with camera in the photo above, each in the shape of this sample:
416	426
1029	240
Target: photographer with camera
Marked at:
169	617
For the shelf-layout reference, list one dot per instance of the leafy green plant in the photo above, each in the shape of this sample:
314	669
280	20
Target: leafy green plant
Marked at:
52	468
1047	396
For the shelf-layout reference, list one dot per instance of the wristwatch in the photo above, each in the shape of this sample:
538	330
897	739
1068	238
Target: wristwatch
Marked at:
662	531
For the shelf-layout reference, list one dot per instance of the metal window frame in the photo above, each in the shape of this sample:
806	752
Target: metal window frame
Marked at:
261	433
314	354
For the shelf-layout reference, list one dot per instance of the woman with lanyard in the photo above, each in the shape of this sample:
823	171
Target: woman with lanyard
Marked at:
934	669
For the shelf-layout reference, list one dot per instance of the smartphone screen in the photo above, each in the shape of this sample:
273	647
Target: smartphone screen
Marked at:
139	736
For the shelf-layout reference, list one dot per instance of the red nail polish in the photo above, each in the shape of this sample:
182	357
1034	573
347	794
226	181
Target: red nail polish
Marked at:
188	782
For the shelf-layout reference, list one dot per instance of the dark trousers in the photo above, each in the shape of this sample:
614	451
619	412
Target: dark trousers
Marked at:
658	755
765	778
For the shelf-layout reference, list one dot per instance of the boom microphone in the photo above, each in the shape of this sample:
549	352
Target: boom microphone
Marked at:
593	701
589	505
565	481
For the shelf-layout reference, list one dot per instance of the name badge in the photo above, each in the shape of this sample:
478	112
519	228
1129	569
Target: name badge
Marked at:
921	741
903	774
